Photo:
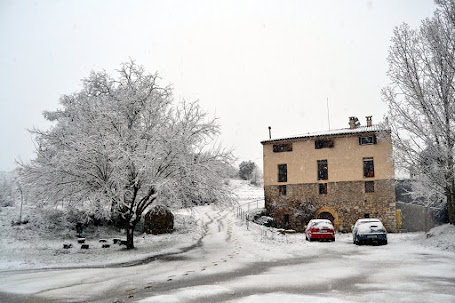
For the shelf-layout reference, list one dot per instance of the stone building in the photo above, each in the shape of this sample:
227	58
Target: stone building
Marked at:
341	175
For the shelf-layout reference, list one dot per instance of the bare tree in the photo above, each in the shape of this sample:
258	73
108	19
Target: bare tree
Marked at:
421	101
119	145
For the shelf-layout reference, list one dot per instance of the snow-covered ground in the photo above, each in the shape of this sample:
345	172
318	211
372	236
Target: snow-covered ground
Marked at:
442	237
30	247
236	262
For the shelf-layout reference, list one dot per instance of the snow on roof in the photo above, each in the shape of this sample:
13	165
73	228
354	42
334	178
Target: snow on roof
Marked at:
336	132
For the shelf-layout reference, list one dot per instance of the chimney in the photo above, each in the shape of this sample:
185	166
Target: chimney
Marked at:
369	121
353	122
270	132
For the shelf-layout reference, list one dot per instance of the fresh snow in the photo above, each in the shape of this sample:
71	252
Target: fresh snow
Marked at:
29	247
442	237
233	261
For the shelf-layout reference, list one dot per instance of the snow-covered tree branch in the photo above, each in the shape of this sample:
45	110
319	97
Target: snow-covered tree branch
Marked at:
421	100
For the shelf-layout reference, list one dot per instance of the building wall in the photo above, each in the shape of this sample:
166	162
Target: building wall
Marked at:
346	198
346	201
345	161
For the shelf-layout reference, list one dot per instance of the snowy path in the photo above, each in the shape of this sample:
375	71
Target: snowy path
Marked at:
232	264
217	252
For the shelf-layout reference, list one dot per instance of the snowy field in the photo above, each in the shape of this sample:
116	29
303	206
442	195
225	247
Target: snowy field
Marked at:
226	260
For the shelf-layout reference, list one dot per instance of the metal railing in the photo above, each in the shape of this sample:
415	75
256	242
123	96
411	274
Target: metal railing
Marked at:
242	212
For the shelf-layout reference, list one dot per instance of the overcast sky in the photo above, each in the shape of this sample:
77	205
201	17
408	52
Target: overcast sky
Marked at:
253	64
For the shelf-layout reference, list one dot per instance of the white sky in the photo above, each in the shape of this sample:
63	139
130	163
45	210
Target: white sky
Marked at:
252	63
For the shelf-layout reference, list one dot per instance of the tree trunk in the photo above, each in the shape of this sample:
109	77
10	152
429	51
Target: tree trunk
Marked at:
130	235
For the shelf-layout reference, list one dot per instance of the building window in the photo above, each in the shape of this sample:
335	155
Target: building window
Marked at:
323	188
368	168
318	144
369	186
323	170
278	148
282	189
367	140
282	173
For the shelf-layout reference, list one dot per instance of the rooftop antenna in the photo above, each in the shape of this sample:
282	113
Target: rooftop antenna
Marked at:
270	132
328	112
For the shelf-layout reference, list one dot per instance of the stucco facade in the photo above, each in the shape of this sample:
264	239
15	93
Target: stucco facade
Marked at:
342	175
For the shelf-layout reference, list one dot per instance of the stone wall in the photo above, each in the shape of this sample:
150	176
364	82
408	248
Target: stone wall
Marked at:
417	218
346	201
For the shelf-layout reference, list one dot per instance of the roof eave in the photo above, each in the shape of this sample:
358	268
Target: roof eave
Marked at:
347	133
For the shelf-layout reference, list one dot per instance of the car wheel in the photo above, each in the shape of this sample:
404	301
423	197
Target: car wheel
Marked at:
384	242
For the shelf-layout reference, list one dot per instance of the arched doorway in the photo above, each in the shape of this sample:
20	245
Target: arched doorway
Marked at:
328	213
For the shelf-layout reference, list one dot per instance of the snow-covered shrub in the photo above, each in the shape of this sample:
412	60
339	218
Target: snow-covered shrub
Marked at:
265	220
24	220
442	237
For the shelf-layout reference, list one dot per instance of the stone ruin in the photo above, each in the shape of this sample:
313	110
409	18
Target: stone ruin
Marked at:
159	220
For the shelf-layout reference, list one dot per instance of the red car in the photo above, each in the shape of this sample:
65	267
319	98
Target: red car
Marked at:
320	229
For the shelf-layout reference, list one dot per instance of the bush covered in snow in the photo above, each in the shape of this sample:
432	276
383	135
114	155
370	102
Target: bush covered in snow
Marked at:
442	237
